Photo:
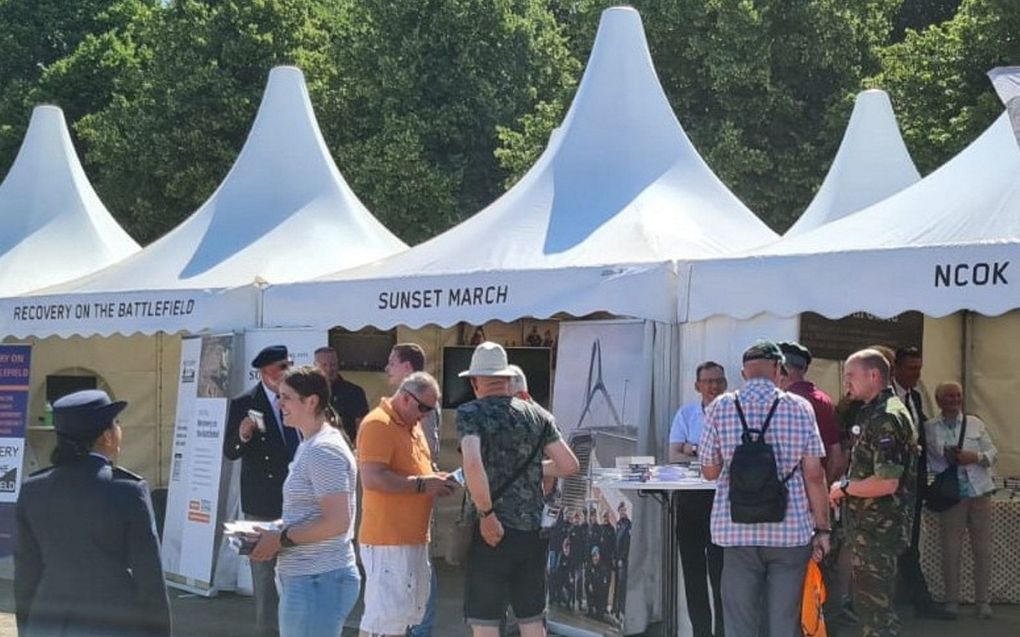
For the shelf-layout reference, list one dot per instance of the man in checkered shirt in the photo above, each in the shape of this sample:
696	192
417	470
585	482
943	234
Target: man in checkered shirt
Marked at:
767	561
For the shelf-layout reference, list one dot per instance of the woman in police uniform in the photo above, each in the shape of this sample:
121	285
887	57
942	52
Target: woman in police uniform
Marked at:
87	558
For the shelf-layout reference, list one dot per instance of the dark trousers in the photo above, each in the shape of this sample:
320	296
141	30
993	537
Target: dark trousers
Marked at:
267	600
701	560
912	584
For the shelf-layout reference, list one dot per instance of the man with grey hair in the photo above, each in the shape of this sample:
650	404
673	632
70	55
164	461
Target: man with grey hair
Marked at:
768	529
399	487
404	360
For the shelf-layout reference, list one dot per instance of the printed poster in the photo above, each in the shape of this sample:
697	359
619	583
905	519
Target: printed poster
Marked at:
15	371
196	467
601	379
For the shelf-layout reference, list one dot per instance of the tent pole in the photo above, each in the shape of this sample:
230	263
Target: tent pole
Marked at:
966	356
160	413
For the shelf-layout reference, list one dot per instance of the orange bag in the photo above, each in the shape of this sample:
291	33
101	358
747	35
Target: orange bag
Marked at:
812	617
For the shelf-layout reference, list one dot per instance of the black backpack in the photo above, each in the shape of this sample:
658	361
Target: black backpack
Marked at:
757	494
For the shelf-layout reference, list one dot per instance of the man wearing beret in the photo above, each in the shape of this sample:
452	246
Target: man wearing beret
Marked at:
265	447
87	556
797	359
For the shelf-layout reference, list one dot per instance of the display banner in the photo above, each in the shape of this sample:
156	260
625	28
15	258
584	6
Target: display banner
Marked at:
601	379
193	517
15	370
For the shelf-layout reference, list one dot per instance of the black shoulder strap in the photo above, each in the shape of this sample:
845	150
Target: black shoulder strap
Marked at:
765	423
495	495
963	432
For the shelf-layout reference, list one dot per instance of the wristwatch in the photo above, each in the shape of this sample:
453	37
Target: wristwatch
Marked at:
285	540
485	514
844	485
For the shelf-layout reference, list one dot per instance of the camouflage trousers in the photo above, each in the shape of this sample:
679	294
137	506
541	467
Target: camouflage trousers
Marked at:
874	573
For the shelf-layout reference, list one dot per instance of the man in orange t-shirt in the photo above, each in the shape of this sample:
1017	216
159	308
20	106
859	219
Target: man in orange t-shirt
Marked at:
399	486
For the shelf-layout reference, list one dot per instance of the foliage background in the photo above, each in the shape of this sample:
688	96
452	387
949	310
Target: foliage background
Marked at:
433	107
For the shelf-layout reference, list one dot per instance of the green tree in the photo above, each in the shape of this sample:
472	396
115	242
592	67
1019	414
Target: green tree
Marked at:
937	77
188	83
920	14
762	88
35	37
425	86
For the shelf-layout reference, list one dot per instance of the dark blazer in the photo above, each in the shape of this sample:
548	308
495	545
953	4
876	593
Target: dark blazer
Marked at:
264	458
87	557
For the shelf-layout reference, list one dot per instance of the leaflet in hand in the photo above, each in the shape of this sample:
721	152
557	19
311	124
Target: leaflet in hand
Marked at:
243	535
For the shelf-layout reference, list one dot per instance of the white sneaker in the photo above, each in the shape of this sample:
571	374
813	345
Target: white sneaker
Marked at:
984	610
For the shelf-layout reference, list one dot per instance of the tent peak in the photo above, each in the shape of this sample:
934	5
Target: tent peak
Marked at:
282	213
619	140
283	169
48	206
872	163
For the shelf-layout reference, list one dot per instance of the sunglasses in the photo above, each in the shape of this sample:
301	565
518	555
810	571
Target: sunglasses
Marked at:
422	407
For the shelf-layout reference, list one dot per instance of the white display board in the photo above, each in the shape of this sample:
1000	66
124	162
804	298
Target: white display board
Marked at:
193	499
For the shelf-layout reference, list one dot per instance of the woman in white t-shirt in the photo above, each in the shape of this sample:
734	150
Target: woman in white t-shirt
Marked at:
318	578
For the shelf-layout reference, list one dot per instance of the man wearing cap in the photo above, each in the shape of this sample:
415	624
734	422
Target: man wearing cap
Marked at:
504	440
764	562
797	359
87	557
400	485
701	560
265	447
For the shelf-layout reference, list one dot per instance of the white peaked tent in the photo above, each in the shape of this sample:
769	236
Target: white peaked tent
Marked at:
950	242
283	213
871	164
618	194
53	227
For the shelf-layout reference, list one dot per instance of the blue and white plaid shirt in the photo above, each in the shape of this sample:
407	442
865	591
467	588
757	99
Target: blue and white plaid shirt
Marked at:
793	435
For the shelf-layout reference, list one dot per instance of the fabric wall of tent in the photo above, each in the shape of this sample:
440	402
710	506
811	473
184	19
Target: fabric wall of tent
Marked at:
946	246
282	213
592	230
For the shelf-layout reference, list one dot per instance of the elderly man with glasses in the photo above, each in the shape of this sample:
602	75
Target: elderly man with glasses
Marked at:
257	436
400	485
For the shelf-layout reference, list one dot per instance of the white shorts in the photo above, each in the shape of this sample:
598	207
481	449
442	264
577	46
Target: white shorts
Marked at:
397	585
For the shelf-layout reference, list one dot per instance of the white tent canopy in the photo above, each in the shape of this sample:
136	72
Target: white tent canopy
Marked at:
618	194
53	227
872	163
945	244
283	213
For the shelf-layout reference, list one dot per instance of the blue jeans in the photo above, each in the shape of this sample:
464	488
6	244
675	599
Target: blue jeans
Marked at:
424	629
317	605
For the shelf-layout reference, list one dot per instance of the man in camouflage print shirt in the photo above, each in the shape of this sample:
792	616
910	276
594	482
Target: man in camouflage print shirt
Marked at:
877	490
504	440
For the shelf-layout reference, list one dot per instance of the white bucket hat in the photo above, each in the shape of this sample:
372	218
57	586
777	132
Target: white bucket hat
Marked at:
489	359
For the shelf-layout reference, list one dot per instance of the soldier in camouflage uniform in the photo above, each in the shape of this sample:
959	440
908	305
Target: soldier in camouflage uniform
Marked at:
504	440
877	490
